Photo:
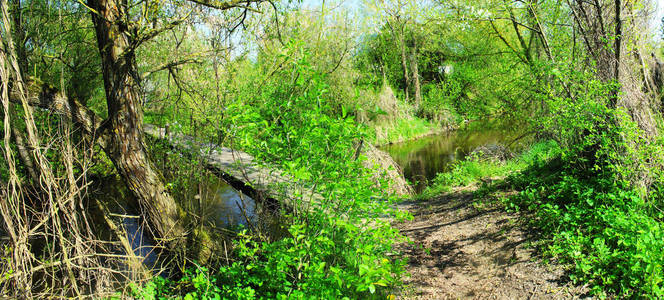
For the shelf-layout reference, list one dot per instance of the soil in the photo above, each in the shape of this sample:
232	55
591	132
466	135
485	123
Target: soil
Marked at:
462	249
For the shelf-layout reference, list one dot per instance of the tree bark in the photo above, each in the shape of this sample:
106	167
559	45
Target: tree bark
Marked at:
404	64
17	137
24	152
616	51
19	35
416	76
126	145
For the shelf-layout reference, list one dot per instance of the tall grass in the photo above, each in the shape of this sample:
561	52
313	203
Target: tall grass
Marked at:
400	130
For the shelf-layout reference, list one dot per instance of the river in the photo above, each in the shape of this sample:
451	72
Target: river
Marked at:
212	202
216	203
423	158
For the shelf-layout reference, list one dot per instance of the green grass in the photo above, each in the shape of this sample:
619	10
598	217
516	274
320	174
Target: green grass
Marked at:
471	170
402	130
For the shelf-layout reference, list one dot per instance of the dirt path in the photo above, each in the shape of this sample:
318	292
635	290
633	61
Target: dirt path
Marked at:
462	251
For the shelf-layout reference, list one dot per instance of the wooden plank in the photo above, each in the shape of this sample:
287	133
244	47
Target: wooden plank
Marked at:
241	171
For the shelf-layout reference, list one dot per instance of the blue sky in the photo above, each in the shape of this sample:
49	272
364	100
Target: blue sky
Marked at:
357	5
658	15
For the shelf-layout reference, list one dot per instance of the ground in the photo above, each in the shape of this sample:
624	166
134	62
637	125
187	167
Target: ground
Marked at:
463	248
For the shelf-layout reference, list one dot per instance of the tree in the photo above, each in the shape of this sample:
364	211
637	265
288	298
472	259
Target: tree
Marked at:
118	35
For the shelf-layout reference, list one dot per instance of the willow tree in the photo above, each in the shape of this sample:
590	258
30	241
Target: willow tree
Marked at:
120	27
616	38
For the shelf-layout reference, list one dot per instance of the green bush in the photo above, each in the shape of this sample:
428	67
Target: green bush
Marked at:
336	247
598	225
588	202
438	102
307	264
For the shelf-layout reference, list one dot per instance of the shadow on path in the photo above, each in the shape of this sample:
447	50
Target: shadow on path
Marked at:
465	250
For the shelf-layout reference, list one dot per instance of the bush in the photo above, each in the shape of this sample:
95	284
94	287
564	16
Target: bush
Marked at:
336	246
588	201
438	102
598	225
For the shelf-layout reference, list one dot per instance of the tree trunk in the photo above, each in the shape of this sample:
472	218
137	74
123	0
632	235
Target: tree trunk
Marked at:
416	76
404	64
23	150
126	146
17	137
19	36
616	52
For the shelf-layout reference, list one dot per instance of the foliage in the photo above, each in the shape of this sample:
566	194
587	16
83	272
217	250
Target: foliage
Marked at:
300	89
304	265
462	69
322	264
332	249
314	145
472	169
439	101
402	130
591	212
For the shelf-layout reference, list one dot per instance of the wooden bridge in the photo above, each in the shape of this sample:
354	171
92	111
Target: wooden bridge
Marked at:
241	171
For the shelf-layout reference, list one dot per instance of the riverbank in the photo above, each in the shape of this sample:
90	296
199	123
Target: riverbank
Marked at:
410	138
463	243
401	131
412	131
423	159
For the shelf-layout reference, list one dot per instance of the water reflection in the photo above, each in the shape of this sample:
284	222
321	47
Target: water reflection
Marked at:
232	208
423	158
214	201
141	240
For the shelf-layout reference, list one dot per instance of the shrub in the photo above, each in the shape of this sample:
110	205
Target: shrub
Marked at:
336	246
588	201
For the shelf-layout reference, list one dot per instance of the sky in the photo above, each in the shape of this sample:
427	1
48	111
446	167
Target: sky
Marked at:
357	5
657	21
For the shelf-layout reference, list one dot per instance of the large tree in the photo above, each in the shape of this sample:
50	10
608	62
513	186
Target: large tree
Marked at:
119	33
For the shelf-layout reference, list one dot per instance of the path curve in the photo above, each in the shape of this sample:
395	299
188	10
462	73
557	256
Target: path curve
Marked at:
463	250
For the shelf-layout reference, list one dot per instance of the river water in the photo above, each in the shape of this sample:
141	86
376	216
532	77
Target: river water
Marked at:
213	202
216	203
423	158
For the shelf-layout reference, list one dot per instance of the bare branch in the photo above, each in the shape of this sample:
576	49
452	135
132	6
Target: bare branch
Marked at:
170	65
226	5
39	94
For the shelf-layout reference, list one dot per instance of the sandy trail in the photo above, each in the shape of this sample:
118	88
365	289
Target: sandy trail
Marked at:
463	251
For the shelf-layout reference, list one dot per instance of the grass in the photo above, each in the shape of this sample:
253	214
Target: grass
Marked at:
402	130
472	169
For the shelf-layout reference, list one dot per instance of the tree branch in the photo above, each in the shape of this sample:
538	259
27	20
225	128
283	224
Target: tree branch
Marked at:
518	55
170	65
225	5
39	94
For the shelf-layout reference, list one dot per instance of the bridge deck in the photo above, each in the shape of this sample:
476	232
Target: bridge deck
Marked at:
241	171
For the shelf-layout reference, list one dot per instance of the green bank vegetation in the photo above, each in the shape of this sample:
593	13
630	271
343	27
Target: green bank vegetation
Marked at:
301	87
582	191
